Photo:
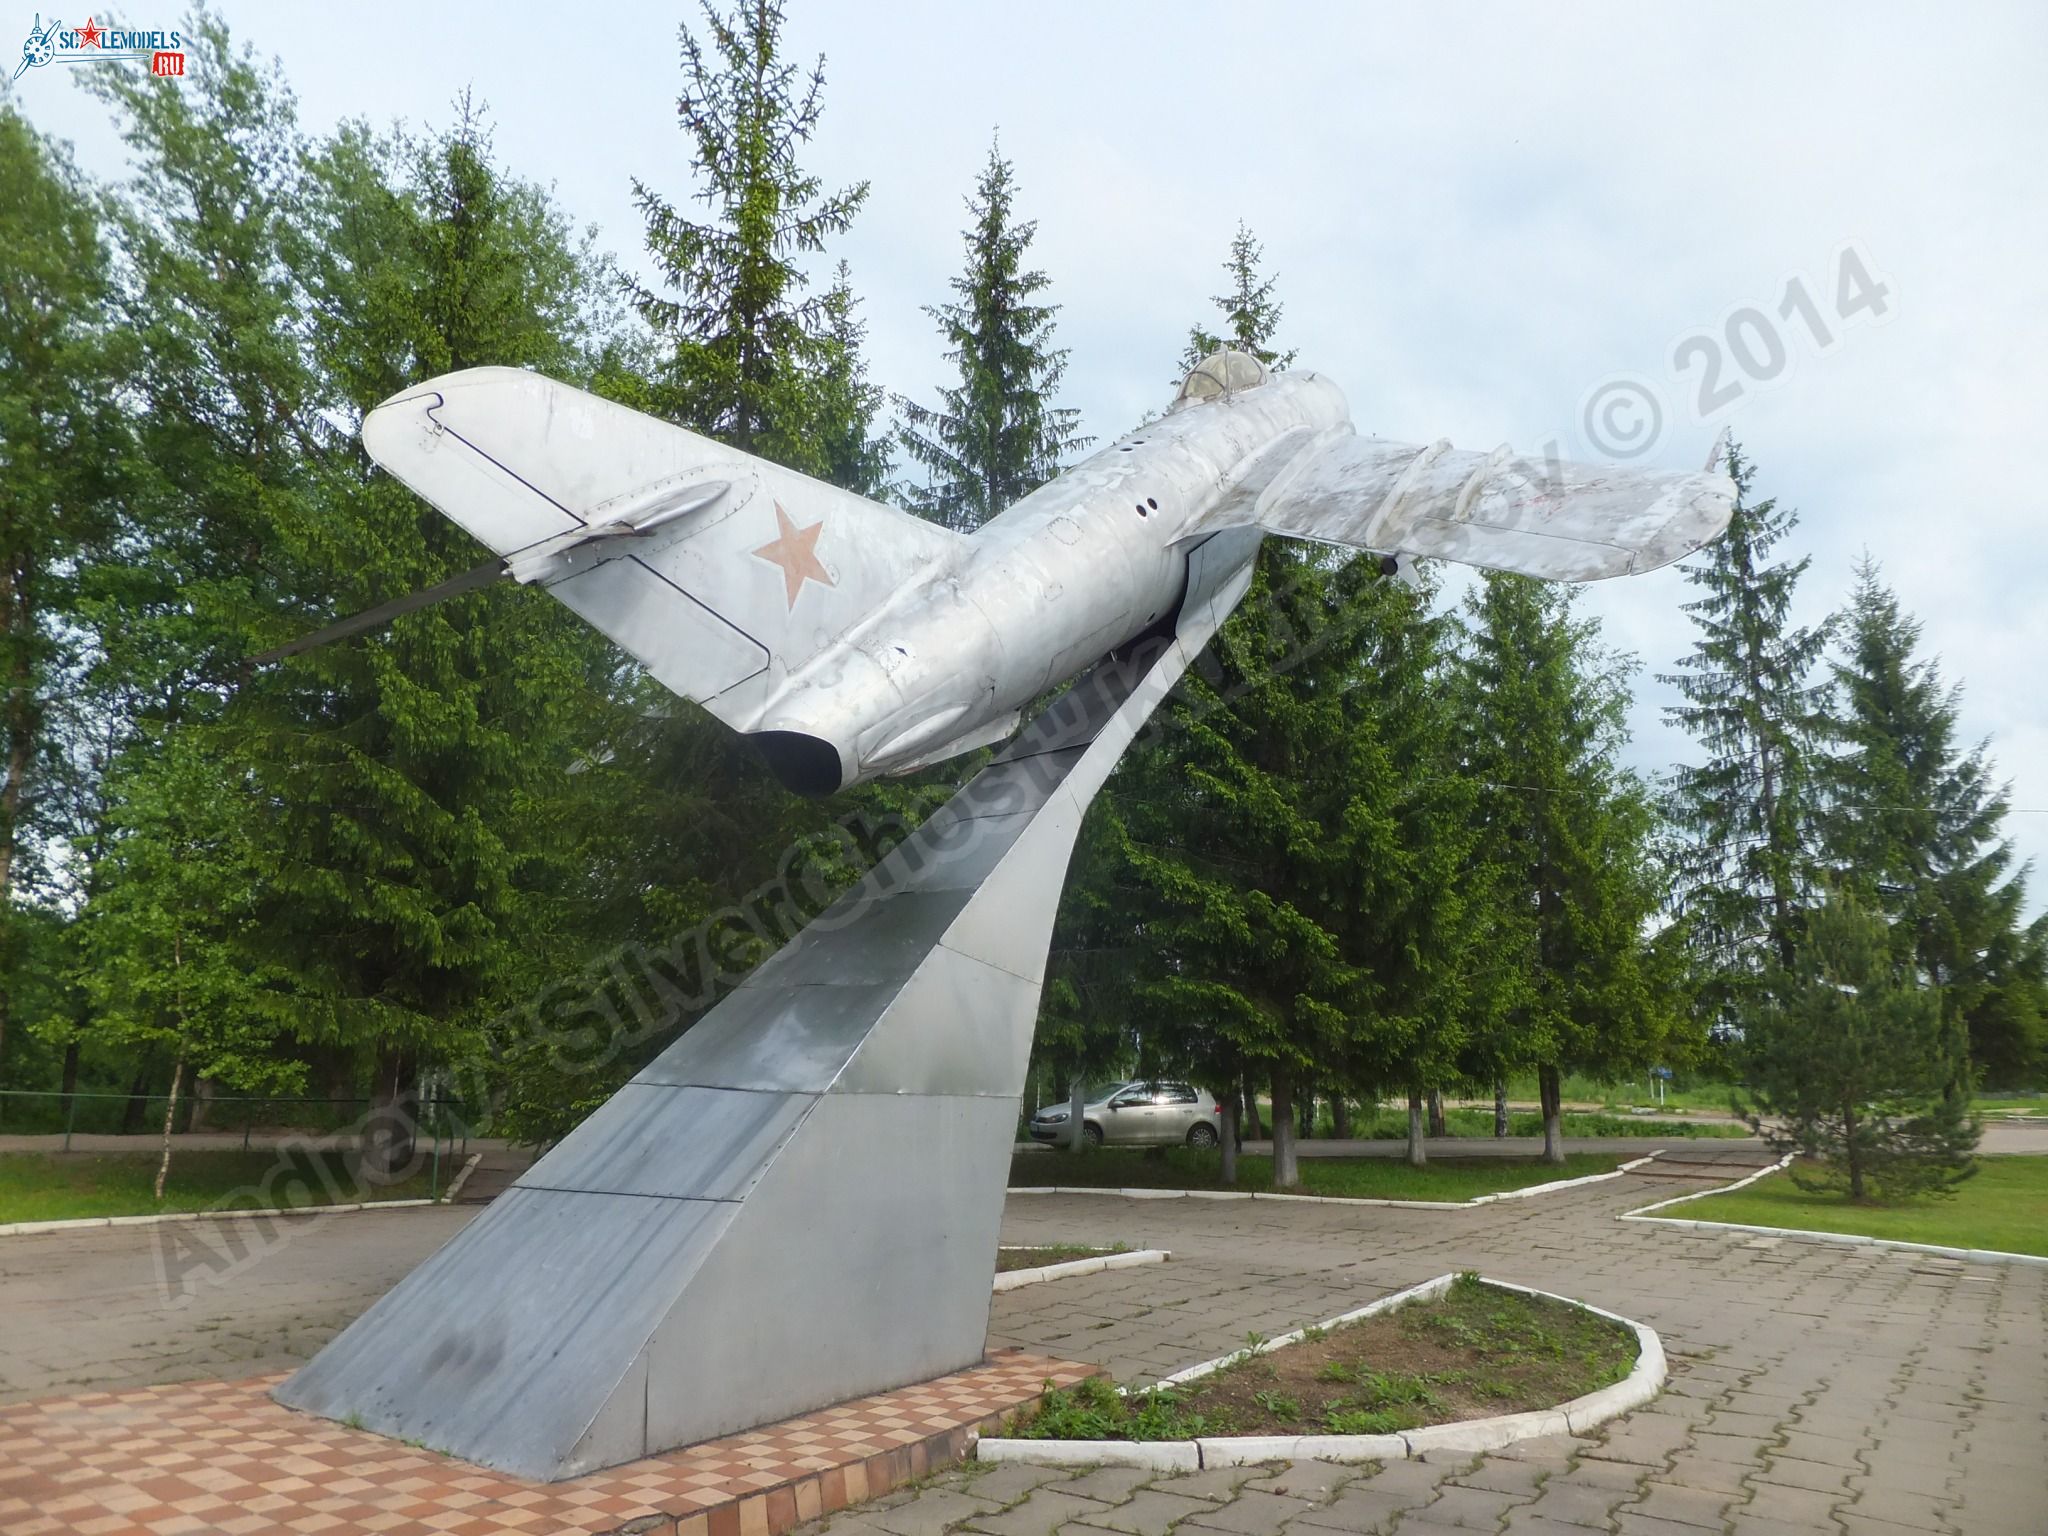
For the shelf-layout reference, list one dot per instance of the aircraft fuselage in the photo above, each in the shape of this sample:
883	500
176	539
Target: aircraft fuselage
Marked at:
1077	568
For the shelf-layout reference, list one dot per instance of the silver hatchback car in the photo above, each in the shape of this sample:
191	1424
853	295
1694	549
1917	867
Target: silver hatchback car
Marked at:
1139	1114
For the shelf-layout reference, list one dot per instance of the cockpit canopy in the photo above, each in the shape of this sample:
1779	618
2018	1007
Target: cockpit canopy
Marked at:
1221	373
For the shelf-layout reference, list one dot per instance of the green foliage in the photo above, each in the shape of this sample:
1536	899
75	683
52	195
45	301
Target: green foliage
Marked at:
1245	826
173	956
1564	862
1853	1070
995	436
752	360
1916	827
1744	819
63	463
1095	1410
1251	314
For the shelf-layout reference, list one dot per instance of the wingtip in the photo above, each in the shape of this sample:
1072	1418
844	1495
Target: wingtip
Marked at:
1719	451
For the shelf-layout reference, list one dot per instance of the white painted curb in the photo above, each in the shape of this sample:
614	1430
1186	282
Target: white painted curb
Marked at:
1015	1278
1716	1189
1641	1384
1260	1194
455	1184
1157	1455
1804	1234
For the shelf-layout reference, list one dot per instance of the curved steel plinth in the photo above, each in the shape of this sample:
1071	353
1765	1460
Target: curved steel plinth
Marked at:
796	1203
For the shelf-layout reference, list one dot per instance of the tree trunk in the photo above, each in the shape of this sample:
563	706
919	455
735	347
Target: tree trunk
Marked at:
1252	1126
18	613
1077	1101
1340	1117
1305	1116
1500	1107
388	1139
1229	1142
1552	1093
1437	1125
1851	1153
203	1093
70	1082
138	1101
1286	1170
1418	1149
163	1167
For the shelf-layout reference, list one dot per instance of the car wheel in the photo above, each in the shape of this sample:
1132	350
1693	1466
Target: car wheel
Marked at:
1202	1136
1093	1133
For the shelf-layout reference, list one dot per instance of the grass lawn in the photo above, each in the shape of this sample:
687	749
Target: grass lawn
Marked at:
1474	1352
2032	1104
47	1186
1378	1178
2005	1207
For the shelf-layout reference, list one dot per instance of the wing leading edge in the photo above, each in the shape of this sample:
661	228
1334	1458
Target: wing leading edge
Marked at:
1560	521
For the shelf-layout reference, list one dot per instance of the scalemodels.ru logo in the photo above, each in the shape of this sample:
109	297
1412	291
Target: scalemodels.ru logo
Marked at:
163	52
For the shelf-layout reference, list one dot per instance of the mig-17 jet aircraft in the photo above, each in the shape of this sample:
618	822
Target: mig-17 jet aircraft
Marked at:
848	639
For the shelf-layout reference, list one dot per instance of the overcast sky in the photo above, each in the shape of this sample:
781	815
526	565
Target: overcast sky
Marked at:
1484	221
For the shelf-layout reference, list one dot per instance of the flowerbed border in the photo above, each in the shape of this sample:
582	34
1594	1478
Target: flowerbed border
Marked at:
1642	1383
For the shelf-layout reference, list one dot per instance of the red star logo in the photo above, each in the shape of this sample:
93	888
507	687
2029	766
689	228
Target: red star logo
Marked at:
88	35
795	551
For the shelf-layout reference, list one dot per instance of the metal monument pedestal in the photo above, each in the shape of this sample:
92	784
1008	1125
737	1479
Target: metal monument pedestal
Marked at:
797	1202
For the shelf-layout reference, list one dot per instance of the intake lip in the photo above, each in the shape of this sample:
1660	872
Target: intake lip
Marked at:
805	764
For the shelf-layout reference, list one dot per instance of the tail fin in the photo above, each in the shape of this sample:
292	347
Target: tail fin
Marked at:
718	570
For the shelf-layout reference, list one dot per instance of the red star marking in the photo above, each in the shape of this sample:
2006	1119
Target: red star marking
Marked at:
795	551
88	35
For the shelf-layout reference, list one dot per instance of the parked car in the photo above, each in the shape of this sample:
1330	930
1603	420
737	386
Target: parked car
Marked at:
1139	1114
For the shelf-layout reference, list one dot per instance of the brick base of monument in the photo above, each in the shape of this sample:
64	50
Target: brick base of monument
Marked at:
219	1458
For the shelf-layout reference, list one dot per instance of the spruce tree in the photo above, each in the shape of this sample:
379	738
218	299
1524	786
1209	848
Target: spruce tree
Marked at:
749	350
1565	839
1409	834
995	436
1239	834
1915	820
411	771
1250	312
2008	1020
1851	1067
855	454
1745	817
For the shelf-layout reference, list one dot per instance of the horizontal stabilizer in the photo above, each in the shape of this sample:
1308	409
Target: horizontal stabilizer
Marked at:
720	571
1538	517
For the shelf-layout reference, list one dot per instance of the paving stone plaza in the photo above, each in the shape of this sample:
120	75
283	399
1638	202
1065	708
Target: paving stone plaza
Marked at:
1815	1388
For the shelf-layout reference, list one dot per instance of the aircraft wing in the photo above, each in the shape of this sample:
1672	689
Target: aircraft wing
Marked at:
1560	521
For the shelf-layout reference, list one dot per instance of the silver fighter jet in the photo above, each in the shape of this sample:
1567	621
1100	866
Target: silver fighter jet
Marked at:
848	639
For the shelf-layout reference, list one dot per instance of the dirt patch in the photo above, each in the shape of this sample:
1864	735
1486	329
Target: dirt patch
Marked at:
1474	1352
1008	1259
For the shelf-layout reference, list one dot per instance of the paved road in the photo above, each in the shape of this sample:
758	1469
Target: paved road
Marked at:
1817	1388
